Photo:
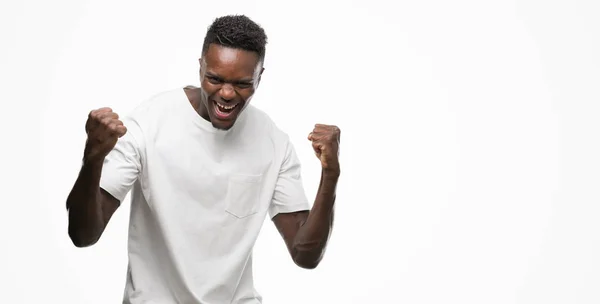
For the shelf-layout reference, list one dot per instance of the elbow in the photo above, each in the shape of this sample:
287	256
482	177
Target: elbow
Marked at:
84	231
309	265
82	239
307	260
80	242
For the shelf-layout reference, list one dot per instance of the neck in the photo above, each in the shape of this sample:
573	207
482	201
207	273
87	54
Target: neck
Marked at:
197	100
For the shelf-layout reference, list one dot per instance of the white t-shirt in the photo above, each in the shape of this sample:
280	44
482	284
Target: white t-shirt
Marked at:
200	197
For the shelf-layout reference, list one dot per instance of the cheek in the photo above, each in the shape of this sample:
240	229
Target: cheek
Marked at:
208	88
246	93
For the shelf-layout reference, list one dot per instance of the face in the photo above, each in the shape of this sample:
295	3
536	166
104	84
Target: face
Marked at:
228	77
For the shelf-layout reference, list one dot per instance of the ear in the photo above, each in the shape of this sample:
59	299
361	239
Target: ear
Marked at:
259	76
202	67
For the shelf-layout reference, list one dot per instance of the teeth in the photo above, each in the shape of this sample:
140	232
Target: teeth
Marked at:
226	107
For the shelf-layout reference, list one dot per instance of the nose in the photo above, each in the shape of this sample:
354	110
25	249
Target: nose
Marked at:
227	92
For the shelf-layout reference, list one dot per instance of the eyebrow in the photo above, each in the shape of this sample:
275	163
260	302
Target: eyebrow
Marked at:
244	80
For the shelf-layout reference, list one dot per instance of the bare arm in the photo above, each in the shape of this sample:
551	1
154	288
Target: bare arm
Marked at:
306	233
90	207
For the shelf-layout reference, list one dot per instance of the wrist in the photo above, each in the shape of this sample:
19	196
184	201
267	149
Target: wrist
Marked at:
92	160
91	155
331	173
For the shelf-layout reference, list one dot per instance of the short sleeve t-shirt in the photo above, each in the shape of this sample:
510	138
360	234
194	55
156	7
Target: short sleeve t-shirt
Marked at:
199	197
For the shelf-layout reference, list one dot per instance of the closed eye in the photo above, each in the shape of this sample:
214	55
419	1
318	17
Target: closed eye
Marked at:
243	85
214	80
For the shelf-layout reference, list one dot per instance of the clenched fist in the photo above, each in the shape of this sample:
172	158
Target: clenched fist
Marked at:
326	141
103	129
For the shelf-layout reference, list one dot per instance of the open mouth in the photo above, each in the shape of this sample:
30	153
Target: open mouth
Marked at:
224	111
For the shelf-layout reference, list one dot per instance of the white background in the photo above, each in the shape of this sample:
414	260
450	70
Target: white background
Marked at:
470	146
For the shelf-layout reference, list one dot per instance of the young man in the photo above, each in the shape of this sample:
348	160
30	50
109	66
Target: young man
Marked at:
205	167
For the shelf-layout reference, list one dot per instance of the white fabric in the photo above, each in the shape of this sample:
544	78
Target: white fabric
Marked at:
199	199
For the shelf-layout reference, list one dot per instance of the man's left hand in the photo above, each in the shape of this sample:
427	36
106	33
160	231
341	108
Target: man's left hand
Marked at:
326	141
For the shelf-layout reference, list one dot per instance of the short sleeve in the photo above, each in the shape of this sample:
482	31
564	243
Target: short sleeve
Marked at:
289	195
122	165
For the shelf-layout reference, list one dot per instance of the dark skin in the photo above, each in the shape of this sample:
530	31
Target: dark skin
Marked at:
90	207
306	233
229	77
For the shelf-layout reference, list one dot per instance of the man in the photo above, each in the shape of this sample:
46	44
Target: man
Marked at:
205	168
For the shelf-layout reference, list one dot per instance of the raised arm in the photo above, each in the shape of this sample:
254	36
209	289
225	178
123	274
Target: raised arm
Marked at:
90	207
306	233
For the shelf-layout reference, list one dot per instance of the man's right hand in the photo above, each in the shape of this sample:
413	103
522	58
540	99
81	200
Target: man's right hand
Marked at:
103	129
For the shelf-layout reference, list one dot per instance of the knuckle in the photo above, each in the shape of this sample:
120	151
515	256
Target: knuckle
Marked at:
95	115
106	121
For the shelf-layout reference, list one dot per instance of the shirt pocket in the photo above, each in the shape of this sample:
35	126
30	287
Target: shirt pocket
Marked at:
243	195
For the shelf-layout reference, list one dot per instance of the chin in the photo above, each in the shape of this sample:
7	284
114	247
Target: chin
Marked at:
222	127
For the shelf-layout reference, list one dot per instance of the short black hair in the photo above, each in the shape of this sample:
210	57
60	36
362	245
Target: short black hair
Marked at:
236	31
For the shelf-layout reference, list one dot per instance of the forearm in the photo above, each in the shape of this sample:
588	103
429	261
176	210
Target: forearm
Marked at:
311	240
86	221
